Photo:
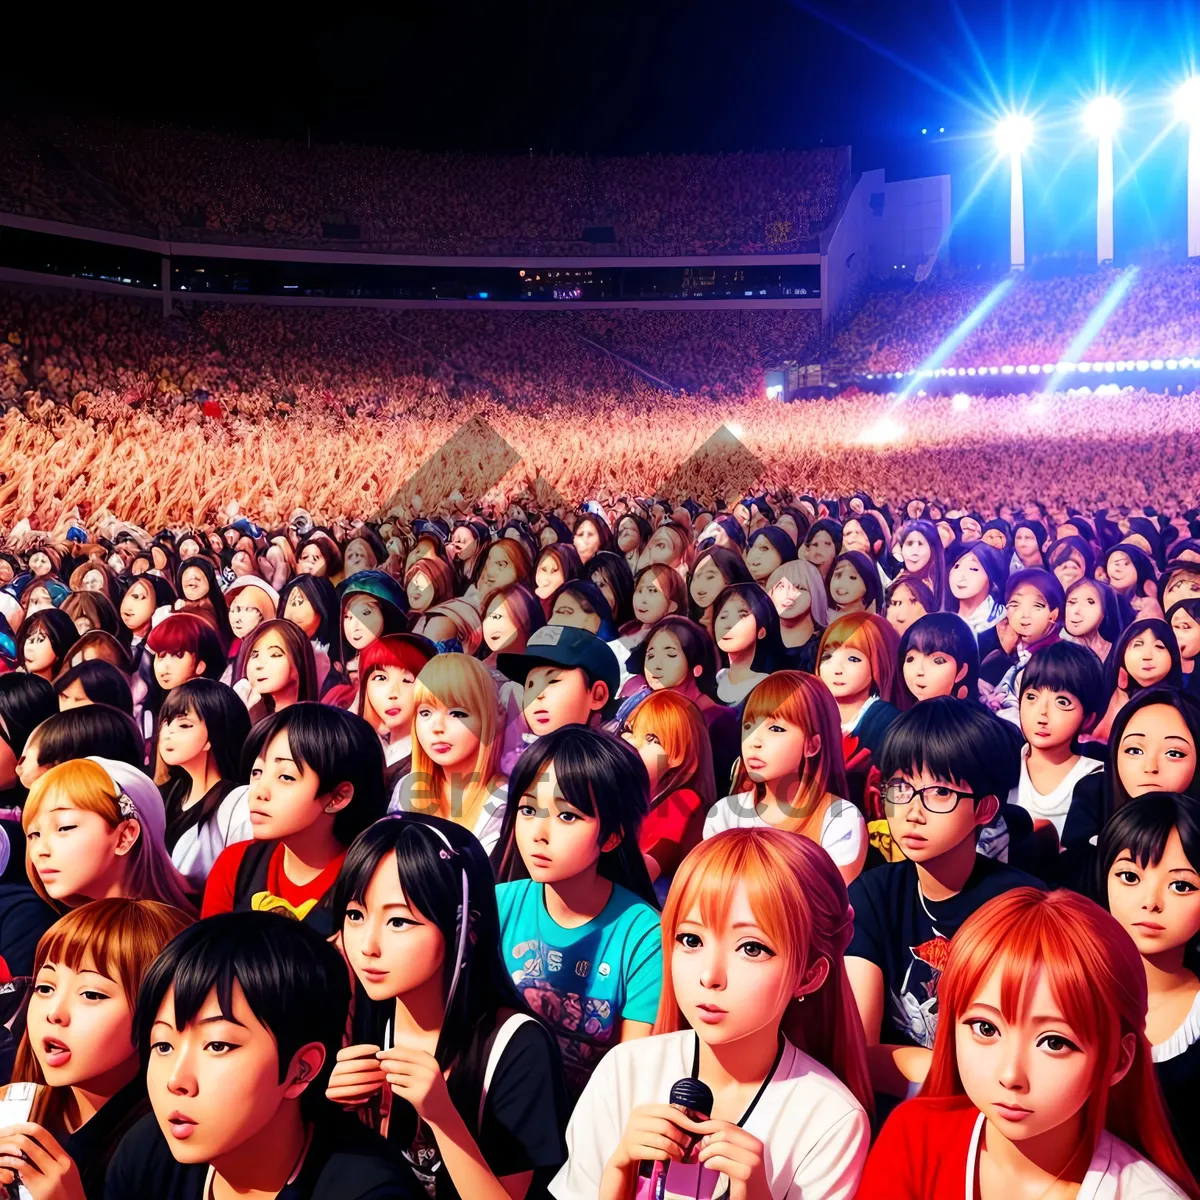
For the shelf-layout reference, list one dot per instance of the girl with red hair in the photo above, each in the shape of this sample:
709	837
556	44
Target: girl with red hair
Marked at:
387	679
753	934
1042	1081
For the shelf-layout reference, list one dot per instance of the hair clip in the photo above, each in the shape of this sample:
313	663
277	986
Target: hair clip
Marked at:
444	854
126	808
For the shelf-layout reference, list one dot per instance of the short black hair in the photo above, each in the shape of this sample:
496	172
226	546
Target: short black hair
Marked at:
1068	667
102	683
25	702
341	747
93	729
954	740
294	981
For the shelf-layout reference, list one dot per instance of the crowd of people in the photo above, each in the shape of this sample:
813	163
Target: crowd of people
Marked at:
1035	321
183	183
746	843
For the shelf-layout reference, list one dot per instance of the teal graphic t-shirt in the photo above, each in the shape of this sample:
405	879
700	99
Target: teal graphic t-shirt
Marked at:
582	981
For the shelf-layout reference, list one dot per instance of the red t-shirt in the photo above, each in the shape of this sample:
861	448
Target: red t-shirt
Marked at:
663	831
281	891
922	1152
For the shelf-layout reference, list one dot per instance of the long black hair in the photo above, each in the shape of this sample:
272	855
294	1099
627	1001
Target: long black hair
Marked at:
443	870
224	715
1184	703
616	573
215	596
323	597
768	650
1115	663
698	648
102	683
599	775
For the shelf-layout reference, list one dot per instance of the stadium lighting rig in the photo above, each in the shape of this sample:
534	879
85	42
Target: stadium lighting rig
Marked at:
1102	118
1014	135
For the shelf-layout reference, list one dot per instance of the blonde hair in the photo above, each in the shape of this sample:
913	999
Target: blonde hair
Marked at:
451	681
84	784
797	896
801	699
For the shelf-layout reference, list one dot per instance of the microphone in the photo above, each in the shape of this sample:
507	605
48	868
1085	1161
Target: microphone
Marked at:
695	1100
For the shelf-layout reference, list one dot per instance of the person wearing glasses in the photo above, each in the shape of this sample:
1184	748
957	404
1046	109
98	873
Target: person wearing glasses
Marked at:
944	764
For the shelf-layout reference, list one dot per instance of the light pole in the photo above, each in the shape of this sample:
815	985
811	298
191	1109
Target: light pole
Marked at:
1103	119
1187	107
1013	135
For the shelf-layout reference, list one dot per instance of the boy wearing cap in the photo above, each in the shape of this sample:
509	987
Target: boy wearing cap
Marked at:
570	677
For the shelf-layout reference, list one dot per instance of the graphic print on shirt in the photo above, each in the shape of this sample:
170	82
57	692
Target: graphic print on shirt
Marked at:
424	1158
551	985
915	1009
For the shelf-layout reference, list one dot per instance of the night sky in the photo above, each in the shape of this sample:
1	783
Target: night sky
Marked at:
654	75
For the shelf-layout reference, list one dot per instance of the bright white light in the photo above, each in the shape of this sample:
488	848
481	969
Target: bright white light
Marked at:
1187	101
1014	133
1103	116
1037	407
883	431
1156	364
1006	369
1143	364
734	428
960	402
774	391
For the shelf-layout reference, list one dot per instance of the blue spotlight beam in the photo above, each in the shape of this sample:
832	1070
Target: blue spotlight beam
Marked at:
956	338
1091	327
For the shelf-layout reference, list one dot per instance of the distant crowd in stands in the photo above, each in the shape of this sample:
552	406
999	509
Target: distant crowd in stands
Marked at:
1036	321
202	183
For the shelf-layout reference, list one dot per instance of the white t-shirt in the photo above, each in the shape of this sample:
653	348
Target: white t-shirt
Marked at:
1182	1039
735	693
487	824
1052	806
985	616
814	1131
843	831
199	846
1117	1172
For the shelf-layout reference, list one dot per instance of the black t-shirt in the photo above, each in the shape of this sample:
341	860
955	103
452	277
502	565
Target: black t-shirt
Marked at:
907	938
524	1117
24	917
346	1161
1179	1078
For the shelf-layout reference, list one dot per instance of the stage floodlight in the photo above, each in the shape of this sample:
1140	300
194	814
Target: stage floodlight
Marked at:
1103	116
1187	101
960	402
1014	133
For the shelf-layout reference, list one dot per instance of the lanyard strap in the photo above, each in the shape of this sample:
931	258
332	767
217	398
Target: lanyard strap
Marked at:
762	1086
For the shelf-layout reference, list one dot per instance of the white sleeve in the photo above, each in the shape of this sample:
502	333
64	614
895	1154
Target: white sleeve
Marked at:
593	1133
233	818
843	834
833	1167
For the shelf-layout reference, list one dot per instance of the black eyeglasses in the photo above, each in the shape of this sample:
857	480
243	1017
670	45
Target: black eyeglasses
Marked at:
937	798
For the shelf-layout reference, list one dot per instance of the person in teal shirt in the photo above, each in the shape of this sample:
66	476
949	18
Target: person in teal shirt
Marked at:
580	931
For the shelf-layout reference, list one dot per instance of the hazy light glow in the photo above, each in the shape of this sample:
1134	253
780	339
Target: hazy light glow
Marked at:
960	402
1103	116
1014	133
1187	101
883	432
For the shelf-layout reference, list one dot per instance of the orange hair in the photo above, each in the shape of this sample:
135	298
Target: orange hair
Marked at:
799	899
439	573
119	938
873	636
801	699
679	726
1096	974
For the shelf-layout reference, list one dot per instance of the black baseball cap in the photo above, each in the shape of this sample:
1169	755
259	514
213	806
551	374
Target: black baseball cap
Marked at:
564	646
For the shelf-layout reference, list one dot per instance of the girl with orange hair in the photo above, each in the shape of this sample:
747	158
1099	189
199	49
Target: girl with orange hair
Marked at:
1042	1081
753	934
77	1073
791	775
669	733
857	662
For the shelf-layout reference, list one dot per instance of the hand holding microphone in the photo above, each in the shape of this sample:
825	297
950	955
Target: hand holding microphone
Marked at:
658	1134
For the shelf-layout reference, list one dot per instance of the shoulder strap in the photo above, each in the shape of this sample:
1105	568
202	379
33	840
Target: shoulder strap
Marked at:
252	873
500	1040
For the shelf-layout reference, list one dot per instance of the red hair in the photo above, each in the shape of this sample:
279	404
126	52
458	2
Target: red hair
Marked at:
391	650
1096	974
873	636
188	633
799	899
